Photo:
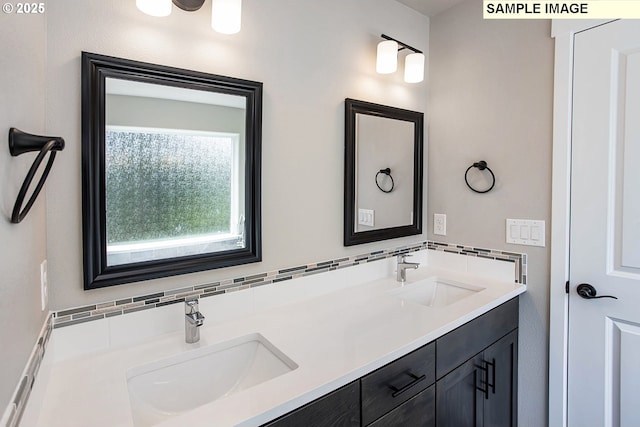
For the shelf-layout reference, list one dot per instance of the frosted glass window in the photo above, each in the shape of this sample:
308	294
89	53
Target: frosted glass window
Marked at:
170	193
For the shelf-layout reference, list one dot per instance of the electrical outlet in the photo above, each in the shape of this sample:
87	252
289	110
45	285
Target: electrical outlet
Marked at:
44	286
440	224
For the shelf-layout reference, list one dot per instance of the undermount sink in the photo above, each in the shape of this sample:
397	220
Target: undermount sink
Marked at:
435	292
169	387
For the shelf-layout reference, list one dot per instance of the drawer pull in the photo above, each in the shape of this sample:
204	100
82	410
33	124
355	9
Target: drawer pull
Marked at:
415	380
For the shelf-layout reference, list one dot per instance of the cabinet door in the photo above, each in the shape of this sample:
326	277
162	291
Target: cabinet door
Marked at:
474	336
458	403
419	411
500	409
340	408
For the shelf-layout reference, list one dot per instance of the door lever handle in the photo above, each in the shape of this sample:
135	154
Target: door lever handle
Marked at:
587	291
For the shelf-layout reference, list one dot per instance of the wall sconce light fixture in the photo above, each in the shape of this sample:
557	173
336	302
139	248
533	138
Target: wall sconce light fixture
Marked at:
225	14
387	59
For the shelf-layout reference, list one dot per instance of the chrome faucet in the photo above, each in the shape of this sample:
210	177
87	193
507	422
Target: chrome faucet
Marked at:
193	319
403	265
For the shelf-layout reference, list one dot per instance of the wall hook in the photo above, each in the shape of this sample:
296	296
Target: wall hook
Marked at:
481	165
20	143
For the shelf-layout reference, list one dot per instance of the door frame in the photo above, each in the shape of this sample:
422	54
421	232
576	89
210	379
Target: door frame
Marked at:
563	31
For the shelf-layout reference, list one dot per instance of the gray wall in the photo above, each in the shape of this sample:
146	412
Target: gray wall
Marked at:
310	55
491	88
22	246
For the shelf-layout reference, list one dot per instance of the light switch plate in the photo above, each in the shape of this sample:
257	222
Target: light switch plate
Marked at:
366	217
525	232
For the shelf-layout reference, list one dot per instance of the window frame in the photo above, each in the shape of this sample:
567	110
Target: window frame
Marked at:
234	210
95	70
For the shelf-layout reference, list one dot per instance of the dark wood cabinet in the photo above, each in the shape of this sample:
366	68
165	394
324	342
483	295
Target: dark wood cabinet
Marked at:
466	378
395	383
458	402
340	408
483	391
501	408
419	411
464	342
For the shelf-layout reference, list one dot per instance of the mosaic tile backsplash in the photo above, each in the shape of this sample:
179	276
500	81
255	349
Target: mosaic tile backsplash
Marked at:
21	395
144	302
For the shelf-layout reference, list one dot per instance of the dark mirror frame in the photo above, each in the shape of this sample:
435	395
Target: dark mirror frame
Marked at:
95	69
353	107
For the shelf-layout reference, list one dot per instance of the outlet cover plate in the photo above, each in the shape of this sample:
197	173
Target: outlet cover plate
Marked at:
440	224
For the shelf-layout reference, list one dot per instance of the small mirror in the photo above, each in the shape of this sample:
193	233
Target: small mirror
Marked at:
383	172
171	171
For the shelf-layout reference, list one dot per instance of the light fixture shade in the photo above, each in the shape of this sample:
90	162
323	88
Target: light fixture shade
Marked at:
155	7
387	59
226	16
414	68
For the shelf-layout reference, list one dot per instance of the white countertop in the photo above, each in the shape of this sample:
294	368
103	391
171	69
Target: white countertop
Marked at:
334	339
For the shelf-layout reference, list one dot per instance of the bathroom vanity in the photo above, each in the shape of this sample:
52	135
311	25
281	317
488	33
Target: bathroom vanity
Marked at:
351	346
466	377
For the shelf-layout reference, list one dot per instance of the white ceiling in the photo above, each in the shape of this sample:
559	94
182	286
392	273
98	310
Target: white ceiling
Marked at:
430	7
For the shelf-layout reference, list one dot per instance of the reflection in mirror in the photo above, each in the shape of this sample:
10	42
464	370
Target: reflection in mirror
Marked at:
383	172
383	143
172	160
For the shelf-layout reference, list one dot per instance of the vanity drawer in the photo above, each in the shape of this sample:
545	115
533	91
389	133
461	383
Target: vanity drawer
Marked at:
397	382
461	344
419	411
339	408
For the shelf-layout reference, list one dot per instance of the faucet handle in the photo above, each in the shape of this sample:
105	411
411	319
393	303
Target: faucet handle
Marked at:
403	257
192	312
191	305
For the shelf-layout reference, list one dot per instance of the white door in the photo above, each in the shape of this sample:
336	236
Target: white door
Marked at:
604	333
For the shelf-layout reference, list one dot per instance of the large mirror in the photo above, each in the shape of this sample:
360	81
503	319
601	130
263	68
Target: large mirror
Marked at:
383	172
170	169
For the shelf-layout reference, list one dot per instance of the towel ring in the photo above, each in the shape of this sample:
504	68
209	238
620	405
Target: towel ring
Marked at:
386	172
481	165
22	142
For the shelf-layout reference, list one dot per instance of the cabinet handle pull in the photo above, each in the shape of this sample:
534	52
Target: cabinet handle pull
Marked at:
415	380
492	384
485	380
